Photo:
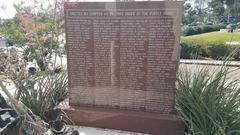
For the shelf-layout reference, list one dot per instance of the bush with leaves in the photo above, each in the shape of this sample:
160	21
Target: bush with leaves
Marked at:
209	102
44	92
218	51
40	91
214	50
193	30
38	29
191	51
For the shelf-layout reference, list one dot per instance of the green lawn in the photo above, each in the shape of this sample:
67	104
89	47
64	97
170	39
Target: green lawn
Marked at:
212	37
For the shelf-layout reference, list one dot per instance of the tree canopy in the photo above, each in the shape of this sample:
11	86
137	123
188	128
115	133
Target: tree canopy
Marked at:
211	10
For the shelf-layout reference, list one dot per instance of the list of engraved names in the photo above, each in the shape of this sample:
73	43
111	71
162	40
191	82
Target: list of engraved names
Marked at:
128	49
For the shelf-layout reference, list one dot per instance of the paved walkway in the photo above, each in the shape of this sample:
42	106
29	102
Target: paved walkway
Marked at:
210	62
99	131
213	65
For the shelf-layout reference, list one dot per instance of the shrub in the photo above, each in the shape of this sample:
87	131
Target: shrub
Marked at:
208	102
42	93
189	31
237	55
218	51
235	48
190	51
206	29
193	30
198	30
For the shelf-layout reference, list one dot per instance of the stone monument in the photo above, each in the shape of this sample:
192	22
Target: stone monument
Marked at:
122	63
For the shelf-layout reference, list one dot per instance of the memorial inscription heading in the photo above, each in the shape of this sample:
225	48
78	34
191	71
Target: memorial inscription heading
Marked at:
123	55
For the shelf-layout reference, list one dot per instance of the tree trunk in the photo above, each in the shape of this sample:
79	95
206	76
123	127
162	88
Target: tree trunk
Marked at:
228	12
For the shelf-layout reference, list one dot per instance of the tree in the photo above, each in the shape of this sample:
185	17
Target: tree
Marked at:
11	29
217	7
225	8
201	10
189	14
229	4
234	8
200	5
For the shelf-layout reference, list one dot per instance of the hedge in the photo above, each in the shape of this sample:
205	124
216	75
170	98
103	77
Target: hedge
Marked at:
214	51
193	30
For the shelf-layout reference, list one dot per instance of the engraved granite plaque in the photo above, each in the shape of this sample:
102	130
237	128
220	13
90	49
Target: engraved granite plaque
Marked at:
123	55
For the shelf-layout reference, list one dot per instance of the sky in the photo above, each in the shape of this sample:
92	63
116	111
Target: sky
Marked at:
7	10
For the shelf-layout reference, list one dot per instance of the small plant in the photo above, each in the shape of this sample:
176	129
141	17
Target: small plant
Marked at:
209	102
44	92
38	90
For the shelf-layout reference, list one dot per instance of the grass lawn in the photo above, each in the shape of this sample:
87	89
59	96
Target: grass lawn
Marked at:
212	37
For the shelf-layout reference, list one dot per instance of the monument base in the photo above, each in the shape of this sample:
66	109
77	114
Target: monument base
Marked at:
142	122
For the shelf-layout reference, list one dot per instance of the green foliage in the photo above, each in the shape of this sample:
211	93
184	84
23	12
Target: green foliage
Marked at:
237	55
188	31
217	7
190	51
39	90
39	32
44	92
214	51
225	8
211	45
11	29
211	38
189	14
208	102
218	51
193	30
60	89
3	77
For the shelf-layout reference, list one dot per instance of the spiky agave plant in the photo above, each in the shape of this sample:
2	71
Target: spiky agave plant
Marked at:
208	101
44	92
